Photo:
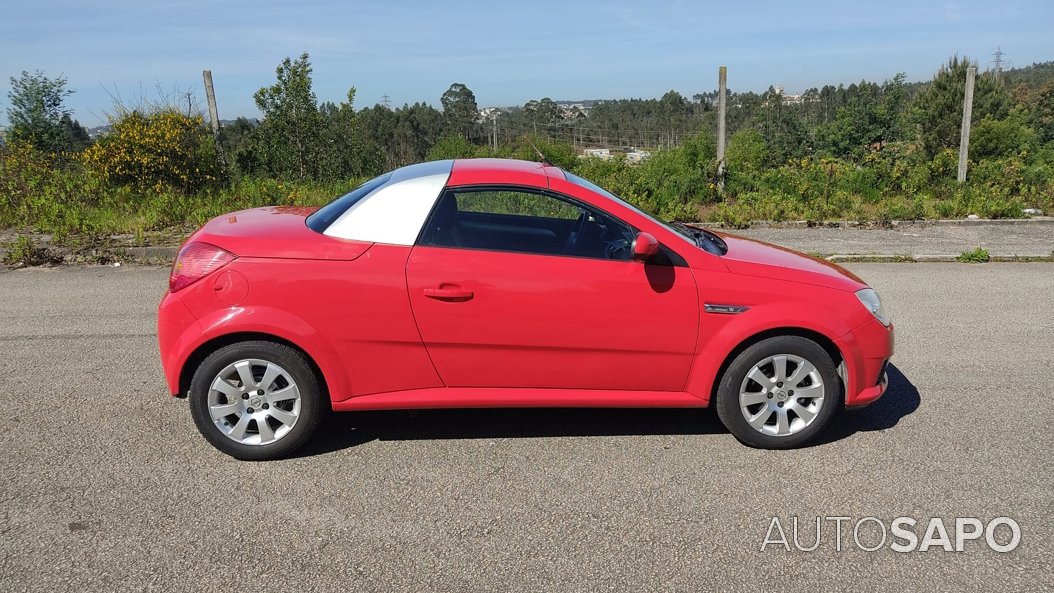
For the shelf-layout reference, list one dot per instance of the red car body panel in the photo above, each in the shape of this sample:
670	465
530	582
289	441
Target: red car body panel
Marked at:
276	232
402	326
480	397
503	171
749	257
866	350
352	318
554	322
775	305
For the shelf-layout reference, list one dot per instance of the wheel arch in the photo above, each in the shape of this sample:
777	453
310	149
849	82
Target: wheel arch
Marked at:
199	354
819	338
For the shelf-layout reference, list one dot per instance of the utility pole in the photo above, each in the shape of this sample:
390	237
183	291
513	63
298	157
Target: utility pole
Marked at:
494	130
189	96
722	83
214	114
210	95
964	141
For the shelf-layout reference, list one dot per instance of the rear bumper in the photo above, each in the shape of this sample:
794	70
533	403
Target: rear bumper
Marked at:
867	351
175	329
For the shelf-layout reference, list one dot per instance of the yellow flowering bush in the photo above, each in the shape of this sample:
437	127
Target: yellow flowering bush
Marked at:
165	149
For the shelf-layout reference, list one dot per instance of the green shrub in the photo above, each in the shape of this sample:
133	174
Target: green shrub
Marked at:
22	251
40	192
454	147
976	256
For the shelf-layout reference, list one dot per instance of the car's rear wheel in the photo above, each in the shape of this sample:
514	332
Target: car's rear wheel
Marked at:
256	400
779	393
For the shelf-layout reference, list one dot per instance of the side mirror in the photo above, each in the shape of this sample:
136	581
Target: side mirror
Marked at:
644	246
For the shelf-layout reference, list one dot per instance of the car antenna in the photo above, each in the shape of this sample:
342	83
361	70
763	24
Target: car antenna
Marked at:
541	156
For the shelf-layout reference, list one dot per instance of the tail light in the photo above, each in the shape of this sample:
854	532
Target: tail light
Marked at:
194	262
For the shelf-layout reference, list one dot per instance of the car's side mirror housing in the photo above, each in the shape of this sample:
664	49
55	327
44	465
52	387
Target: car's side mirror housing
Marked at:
644	246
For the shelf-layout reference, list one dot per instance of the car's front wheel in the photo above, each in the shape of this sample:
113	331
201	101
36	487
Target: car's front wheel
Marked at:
256	400
779	393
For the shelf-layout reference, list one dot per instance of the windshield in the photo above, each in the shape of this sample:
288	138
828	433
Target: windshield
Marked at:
696	236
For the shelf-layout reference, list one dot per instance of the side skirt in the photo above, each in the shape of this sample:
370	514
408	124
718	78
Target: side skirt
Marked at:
483	397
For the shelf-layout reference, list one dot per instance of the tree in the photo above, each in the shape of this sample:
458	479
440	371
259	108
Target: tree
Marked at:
857	125
937	110
238	140
542	114
393	138
452	147
38	114
782	128
292	128
871	117
460	111
1043	114
893	107
745	157
344	152
74	137
991	139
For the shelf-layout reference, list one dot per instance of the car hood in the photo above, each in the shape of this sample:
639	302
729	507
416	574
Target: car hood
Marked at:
750	257
276	231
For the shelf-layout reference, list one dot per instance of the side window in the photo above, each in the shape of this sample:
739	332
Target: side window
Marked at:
525	222
516	203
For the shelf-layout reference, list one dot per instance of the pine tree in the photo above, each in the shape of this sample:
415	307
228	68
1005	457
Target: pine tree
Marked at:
938	109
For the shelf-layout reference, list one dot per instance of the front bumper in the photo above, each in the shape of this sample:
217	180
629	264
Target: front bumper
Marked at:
866	351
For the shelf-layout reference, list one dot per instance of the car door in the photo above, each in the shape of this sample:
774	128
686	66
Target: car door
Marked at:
521	288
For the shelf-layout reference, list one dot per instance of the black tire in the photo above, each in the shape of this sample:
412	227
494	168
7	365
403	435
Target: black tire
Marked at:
295	365
728	392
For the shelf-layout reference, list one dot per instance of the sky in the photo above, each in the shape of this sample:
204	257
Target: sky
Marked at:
506	52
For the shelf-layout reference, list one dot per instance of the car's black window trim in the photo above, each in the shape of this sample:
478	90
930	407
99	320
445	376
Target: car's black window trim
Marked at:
674	259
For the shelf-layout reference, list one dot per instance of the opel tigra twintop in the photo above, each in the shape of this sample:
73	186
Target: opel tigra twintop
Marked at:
494	283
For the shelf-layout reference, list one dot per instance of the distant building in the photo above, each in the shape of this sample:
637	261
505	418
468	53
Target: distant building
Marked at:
487	113
573	110
598	153
637	156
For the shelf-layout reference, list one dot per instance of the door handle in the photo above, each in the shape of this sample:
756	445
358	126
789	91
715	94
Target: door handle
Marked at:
456	295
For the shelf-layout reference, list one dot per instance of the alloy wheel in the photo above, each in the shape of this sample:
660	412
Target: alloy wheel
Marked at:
254	402
781	395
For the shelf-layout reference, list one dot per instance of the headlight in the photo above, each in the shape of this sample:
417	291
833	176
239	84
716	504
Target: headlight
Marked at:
869	299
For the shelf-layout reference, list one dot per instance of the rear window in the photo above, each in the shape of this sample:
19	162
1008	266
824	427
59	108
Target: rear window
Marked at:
326	215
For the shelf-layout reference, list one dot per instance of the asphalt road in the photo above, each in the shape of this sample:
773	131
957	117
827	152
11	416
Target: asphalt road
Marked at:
107	486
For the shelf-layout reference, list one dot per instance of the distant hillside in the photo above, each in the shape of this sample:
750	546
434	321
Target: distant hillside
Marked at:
1033	76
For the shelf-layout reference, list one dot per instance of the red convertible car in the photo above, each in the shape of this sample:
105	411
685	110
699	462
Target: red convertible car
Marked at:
489	283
